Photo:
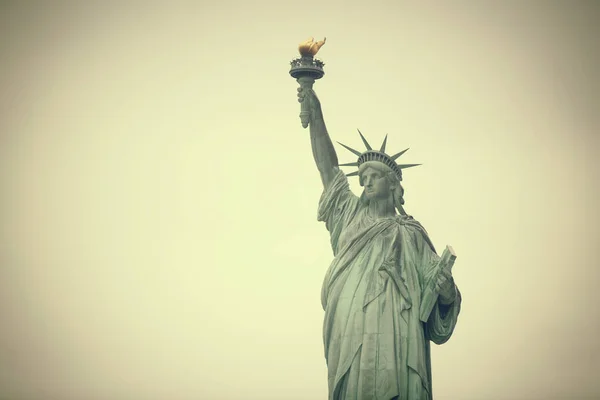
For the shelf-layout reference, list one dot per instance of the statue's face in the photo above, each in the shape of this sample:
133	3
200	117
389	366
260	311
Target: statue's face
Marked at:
376	184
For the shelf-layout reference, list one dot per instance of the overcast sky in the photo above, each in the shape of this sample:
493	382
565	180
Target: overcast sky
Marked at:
159	235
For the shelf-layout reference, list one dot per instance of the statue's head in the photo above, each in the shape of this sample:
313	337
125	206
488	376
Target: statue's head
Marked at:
380	183
378	173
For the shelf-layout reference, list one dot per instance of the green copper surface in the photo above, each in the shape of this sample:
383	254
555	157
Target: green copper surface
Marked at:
387	294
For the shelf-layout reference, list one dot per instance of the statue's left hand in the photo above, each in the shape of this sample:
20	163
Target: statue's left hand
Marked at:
445	286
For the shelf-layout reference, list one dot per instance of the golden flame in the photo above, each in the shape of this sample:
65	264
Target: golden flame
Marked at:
309	47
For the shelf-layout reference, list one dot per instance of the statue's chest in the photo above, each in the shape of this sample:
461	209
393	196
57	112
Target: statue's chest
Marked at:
360	228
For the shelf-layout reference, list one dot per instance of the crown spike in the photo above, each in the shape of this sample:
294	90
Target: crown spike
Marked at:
358	153
352	173
367	145
395	156
402	166
383	144
352	164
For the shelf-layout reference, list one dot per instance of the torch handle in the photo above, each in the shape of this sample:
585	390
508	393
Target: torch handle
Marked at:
305	82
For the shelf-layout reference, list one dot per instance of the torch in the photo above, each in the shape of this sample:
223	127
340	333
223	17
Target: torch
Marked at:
306	69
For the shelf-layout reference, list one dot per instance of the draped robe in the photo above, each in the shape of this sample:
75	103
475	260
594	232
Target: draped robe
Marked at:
377	344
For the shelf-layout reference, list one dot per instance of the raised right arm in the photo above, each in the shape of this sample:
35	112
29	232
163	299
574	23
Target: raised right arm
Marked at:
322	147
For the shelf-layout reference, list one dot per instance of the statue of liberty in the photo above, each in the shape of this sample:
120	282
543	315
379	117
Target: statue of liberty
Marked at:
387	294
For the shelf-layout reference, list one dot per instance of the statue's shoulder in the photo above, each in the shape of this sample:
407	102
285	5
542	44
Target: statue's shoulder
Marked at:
414	230
408	221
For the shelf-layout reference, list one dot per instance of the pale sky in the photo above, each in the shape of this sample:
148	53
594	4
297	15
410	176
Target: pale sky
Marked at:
159	235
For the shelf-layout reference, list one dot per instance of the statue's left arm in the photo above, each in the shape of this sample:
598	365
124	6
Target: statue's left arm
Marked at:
441	321
443	318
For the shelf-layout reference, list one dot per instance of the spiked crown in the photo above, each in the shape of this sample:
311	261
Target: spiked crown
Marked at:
378	156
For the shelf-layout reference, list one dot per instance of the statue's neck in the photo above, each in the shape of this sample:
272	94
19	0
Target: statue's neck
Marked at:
381	208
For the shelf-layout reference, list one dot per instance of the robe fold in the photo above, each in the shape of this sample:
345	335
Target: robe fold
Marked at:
376	345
